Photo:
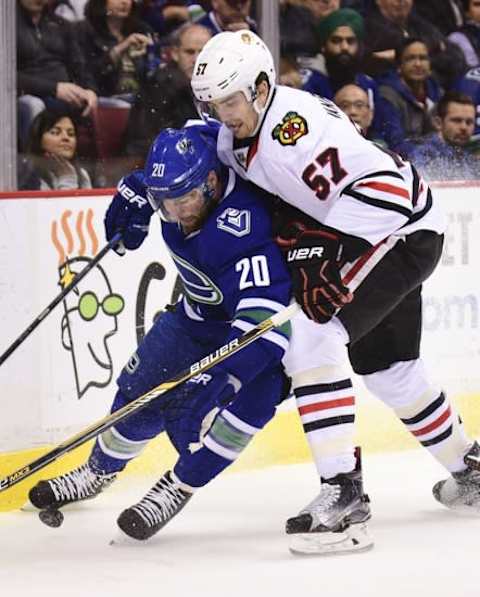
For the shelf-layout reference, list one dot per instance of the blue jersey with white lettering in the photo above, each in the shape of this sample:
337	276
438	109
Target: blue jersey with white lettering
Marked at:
233	273
470	85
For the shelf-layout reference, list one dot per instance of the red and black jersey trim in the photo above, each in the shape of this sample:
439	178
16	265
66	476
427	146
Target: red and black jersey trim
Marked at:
419	215
415	186
378	173
405	211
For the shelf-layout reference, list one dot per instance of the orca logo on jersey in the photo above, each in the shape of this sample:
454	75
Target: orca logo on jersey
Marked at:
291	129
196	284
305	253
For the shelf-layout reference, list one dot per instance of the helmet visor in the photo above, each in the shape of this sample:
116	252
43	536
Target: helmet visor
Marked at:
225	110
185	209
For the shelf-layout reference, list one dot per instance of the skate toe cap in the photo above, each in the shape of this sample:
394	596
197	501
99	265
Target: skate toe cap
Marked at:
299	524
133	525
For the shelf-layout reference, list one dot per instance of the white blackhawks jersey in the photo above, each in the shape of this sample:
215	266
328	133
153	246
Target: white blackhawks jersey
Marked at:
312	156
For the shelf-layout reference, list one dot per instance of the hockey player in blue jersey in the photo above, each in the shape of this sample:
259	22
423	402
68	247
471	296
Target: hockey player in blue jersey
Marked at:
218	234
470	85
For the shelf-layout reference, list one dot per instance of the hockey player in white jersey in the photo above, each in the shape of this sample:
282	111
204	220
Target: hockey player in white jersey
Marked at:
367	235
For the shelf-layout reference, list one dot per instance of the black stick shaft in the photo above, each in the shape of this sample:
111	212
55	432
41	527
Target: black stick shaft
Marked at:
78	277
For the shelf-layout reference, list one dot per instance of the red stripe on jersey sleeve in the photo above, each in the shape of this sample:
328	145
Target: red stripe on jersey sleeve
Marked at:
386	188
361	261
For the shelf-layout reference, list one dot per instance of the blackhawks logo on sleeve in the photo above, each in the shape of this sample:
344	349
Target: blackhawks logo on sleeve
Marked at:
291	129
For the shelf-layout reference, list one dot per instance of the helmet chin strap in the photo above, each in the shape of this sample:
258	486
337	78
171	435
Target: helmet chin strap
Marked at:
261	110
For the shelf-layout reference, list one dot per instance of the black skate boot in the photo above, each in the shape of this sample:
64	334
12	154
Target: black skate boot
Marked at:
461	491
335	521
164	501
83	483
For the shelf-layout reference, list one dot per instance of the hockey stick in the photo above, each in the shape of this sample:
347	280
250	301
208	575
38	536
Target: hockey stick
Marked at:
78	277
196	368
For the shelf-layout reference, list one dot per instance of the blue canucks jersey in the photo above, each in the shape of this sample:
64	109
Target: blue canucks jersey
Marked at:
232	271
470	84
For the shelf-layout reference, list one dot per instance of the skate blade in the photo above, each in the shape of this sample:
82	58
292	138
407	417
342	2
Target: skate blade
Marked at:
472	510
122	540
354	539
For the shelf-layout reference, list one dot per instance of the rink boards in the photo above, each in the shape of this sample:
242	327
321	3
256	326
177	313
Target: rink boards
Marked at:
63	376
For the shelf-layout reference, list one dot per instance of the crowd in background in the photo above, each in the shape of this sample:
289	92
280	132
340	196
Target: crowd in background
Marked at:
98	79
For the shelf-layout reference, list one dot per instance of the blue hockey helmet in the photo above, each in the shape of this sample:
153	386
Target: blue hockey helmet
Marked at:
179	162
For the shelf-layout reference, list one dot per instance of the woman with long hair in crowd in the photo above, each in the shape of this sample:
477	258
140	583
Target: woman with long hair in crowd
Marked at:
115	43
50	162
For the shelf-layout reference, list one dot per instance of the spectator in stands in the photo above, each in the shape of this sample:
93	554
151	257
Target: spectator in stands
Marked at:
167	100
469	84
445	154
412	92
50	161
115	42
228	15
71	10
389	23
164	16
289	73
445	15
297	32
361	6
467	38
354	101
340	40
321	8
50	67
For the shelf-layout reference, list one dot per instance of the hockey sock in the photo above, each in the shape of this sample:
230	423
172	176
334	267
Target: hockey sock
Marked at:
436	425
424	409
112	451
220	447
326	404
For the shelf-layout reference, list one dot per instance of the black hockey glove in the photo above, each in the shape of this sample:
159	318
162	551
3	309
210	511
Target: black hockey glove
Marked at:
313	257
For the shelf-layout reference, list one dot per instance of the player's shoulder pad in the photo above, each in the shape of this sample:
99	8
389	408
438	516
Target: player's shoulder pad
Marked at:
209	126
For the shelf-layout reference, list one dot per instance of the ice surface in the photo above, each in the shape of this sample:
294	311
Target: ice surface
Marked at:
229	542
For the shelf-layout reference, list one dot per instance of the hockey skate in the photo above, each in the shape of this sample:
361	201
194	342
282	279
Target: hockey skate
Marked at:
335	521
83	483
164	501
461	492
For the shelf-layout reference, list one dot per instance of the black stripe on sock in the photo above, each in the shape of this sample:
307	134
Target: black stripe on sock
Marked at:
331	422
426	411
439	438
323	388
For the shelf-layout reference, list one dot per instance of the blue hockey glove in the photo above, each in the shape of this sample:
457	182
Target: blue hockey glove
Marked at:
129	212
206	393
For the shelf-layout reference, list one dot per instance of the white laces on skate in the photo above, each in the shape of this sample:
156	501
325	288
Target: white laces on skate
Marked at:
160	503
79	484
322	504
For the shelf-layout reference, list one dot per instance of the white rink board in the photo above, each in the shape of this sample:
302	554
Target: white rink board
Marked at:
44	400
41	399
451	343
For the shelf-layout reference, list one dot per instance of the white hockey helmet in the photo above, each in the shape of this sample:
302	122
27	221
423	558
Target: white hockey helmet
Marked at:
232	61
